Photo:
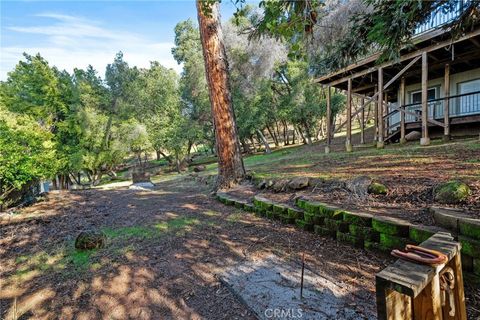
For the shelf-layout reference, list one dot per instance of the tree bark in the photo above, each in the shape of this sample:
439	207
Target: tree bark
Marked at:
265	142
301	135
230	163
272	134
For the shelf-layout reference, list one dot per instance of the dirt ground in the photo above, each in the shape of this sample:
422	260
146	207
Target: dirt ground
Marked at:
411	173
164	253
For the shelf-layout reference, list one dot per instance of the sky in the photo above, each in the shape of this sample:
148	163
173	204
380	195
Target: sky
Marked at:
74	34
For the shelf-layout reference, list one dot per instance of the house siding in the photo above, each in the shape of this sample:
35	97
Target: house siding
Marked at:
455	79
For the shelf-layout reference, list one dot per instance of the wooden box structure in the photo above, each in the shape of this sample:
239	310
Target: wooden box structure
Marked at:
406	290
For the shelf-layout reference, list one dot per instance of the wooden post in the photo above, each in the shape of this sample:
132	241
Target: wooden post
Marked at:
362	121
425	140
380	143
446	104
386	121
411	291
375	120
329	120
348	141
401	101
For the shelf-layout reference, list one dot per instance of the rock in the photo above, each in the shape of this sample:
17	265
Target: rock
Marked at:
452	192
280	185
140	176
262	184
377	188
91	239
359	186
413	136
299	183
199	168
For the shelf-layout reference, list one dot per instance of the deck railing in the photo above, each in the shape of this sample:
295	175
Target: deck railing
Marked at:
459	106
441	16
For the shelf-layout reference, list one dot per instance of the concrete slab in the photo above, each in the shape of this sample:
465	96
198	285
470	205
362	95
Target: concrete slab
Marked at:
142	186
271	289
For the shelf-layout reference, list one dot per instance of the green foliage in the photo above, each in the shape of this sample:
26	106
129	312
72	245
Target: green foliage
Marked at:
27	152
32	88
389	25
195	103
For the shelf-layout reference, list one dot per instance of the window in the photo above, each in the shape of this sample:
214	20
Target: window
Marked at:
416	96
470	103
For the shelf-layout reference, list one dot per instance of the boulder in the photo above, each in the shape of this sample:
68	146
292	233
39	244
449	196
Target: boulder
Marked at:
377	188
359	185
262	184
452	192
199	168
413	136
280	185
90	239
298	183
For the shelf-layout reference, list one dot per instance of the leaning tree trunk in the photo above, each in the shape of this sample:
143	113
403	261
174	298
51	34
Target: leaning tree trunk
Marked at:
230	163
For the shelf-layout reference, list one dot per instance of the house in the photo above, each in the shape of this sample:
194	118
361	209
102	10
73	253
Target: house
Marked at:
434	87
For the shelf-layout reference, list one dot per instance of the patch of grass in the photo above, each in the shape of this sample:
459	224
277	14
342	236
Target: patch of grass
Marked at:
473	160
79	258
177	223
234	217
211	213
126	232
28	266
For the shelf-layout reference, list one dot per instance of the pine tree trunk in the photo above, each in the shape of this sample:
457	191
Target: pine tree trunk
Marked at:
230	163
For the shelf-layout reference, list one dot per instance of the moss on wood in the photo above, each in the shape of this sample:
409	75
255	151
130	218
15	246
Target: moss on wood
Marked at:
470	228
476	266
312	207
348	238
308	217
392	242
419	233
360	219
363	232
294	213
279	209
301	203
304	225
390	226
286	219
470	246
323	231
248	207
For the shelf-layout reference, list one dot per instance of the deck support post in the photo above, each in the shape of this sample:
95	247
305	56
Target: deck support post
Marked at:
386	122
348	141
329	120
446	104
375	120
401	101
425	140
380	143
362	122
